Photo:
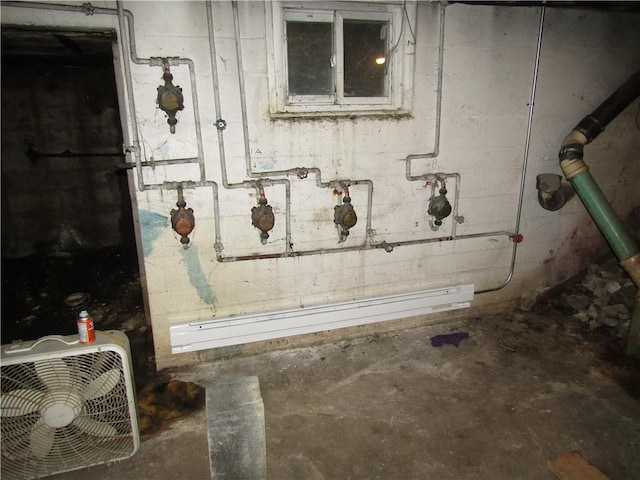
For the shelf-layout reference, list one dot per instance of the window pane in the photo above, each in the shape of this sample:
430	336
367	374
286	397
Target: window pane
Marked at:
309	50
364	58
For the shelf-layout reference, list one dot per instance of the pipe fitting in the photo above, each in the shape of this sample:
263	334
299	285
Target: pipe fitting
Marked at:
263	219
182	220
573	167
170	99
632	267
345	217
590	127
439	207
552	193
575	137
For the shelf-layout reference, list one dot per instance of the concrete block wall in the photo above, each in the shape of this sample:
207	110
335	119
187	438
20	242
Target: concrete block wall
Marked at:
488	69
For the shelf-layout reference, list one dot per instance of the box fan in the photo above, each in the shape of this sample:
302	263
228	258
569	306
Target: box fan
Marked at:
65	405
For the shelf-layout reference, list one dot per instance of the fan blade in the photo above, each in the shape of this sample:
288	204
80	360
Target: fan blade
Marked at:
20	402
94	427
102	384
42	437
54	373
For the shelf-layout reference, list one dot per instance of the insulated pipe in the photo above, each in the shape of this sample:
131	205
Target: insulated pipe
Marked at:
576	171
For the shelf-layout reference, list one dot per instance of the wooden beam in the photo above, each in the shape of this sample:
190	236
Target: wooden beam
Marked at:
573	466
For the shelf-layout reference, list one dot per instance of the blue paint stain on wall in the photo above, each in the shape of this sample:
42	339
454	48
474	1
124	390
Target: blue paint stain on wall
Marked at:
197	277
151	227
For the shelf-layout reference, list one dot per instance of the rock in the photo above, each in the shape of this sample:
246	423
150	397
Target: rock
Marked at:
600	302
611	315
578	302
592	312
623	329
592	282
582	316
612	286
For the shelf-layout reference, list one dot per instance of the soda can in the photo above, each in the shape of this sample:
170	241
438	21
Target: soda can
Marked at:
86	331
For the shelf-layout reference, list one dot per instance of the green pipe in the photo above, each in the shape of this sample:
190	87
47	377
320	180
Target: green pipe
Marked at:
622	243
575	170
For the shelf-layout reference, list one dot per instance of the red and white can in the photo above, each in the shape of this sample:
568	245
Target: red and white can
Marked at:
86	331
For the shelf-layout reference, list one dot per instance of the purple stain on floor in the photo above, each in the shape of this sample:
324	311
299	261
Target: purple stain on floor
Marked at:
449	339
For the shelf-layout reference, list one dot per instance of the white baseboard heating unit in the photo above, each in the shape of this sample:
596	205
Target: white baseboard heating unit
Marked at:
237	330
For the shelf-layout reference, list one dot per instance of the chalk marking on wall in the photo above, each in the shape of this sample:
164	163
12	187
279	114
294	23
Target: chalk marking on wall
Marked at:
197	277
152	225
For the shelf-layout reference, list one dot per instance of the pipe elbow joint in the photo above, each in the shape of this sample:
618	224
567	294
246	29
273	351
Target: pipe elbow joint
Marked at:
552	193
571	151
571	154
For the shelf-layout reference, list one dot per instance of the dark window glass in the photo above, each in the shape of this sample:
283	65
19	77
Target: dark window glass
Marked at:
364	58
309	49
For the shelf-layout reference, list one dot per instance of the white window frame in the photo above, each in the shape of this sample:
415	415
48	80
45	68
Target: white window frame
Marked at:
399	65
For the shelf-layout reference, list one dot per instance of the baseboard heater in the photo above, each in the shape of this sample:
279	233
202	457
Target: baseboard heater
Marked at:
237	330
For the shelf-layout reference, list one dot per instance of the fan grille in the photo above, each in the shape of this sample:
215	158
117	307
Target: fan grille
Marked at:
76	414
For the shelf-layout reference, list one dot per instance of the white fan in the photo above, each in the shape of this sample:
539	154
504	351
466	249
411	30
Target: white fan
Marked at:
65	405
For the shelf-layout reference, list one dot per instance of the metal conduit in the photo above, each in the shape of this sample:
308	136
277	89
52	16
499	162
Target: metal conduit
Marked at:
525	159
436	151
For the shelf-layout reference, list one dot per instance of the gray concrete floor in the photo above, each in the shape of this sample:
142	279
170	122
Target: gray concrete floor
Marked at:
522	389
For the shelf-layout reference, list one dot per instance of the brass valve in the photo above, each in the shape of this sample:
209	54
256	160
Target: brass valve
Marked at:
439	207
345	217
183	221
170	98
262	218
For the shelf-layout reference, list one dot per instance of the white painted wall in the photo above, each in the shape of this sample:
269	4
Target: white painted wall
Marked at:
488	69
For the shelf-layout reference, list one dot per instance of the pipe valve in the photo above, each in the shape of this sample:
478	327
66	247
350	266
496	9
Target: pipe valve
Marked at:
262	218
170	98
439	207
182	220
345	217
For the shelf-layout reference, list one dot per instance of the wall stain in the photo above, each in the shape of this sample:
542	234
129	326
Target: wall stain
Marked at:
197	277
151	226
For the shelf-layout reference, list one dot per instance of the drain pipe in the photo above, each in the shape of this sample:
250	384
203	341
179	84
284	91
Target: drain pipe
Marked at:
577	173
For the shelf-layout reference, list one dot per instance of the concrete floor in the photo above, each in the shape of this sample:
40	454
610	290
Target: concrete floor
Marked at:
522	389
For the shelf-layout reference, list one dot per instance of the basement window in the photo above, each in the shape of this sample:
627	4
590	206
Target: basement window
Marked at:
345	58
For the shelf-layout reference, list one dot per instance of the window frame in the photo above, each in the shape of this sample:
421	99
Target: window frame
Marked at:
399	65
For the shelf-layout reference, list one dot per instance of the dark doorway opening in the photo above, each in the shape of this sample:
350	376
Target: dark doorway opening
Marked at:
68	240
